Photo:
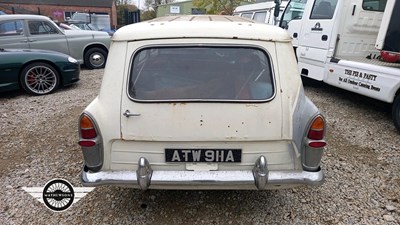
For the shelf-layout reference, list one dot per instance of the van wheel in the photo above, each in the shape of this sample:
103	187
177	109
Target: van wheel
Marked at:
95	58
396	112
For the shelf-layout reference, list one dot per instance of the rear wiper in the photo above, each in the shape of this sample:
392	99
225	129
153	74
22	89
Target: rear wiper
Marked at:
1	49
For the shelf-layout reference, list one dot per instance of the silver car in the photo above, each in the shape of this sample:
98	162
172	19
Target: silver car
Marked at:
39	32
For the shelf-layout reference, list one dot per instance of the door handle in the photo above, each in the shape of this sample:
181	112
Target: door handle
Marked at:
31	40
128	114
295	35
324	37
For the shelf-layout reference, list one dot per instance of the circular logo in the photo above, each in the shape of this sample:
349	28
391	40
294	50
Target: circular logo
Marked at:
58	195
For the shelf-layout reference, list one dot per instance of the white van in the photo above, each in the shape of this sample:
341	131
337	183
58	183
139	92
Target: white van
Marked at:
350	44
261	12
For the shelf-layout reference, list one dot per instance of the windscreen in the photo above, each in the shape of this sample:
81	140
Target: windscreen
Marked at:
201	74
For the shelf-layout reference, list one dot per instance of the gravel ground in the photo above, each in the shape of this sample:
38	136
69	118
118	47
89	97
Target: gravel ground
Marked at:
38	143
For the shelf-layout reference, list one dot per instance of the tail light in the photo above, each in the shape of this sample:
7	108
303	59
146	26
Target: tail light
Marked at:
88	131
316	133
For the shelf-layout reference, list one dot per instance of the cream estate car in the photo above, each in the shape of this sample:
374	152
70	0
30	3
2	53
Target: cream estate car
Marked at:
202	102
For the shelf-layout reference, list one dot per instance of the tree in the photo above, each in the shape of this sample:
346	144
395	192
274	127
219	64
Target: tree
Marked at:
122	7
151	6
225	7
149	11
148	15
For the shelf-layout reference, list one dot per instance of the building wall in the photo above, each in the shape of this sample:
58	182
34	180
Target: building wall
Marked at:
57	12
178	8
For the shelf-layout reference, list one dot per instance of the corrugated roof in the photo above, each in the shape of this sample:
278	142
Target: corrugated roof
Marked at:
87	3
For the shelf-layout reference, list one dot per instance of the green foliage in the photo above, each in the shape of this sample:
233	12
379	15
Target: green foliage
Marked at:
148	15
123	6
225	7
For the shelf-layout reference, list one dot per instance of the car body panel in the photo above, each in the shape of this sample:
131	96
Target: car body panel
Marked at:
179	119
93	38
15	30
54	40
12	61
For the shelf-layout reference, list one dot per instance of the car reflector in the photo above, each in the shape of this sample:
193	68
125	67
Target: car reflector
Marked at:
317	144
87	143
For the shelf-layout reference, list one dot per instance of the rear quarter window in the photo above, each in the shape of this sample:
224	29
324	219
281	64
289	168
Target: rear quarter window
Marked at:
201	74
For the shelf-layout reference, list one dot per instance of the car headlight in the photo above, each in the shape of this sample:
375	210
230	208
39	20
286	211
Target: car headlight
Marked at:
72	60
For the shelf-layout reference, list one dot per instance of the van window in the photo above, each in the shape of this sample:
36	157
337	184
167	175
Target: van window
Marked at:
260	16
247	15
201	74
293	11
323	9
374	5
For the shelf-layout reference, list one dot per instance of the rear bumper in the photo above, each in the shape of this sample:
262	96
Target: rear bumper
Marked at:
259	178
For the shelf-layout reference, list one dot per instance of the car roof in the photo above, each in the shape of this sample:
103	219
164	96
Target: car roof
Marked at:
22	16
201	26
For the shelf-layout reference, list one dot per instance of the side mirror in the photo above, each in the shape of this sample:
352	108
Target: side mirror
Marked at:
277	8
276	11
284	25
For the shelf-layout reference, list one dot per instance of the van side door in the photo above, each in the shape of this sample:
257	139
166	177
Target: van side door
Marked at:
316	35
291	19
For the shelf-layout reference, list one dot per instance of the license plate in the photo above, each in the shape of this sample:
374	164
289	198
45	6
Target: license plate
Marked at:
203	155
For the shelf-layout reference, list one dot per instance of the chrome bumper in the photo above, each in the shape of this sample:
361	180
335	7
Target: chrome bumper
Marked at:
259	178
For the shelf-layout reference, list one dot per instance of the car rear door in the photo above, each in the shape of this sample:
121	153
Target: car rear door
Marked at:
190	117
45	35
13	34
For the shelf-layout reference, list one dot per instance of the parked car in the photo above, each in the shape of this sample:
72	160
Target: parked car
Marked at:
39	32
202	102
88	26
38	72
64	26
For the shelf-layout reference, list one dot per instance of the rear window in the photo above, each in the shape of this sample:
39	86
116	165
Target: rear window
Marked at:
374	5
201	74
